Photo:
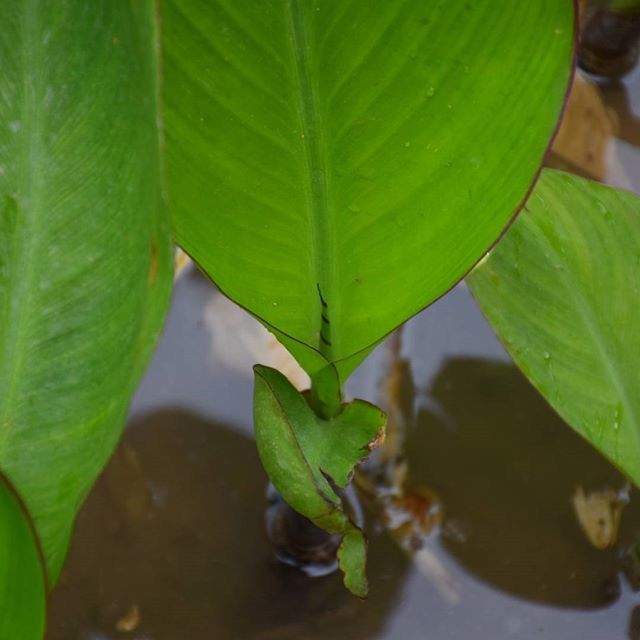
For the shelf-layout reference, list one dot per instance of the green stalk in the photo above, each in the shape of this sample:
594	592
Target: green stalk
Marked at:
325	397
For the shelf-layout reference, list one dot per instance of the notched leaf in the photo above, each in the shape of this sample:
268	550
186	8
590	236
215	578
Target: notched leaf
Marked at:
310	459
377	441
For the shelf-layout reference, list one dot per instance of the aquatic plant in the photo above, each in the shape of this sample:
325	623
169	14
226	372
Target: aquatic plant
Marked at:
334	168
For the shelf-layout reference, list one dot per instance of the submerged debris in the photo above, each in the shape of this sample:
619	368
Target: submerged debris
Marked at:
599	514
411	514
129	621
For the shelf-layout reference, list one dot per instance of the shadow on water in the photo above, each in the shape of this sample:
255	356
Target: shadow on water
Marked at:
506	467
175	527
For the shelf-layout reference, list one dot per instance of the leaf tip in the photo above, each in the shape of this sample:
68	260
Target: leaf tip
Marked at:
352	556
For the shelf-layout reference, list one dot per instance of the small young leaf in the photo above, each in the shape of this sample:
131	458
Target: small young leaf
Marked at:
562	291
305	455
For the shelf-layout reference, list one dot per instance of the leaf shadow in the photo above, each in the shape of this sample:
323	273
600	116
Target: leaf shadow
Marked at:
506	467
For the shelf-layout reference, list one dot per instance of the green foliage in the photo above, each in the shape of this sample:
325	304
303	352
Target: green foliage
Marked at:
335	167
304	455
332	167
85	262
562	291
22	581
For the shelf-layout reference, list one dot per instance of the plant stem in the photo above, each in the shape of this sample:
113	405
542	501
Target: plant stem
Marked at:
326	396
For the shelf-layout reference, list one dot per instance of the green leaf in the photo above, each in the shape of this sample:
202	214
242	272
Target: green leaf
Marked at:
562	291
22	580
337	166
302	452
85	258
352	556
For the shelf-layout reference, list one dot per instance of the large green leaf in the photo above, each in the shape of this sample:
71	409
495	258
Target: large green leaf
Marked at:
22	580
336	166
305	455
562	291
84	247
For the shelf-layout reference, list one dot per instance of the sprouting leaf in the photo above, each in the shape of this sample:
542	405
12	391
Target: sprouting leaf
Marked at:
84	245
562	291
305	455
336	166
22	579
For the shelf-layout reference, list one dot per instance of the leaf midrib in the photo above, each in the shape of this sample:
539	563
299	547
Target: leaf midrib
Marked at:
321	227
23	274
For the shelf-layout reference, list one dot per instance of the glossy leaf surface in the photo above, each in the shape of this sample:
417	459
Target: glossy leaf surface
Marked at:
562	291
84	247
22	581
301	452
336	166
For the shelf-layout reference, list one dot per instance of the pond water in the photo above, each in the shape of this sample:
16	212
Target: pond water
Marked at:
171	543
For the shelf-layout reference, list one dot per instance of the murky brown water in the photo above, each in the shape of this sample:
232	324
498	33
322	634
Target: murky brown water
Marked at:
175	526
